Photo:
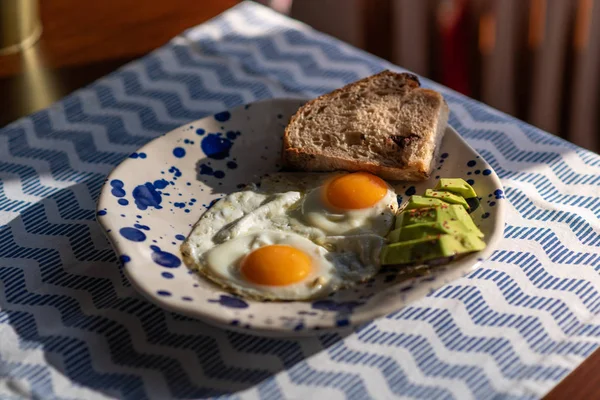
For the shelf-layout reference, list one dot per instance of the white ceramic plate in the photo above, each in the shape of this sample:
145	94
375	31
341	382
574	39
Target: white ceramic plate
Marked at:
151	200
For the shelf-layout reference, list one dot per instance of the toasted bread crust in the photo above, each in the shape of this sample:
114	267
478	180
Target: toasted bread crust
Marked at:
310	162
308	159
286	137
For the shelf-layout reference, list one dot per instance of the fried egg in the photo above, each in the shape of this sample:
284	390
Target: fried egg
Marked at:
335	223
273	265
351	204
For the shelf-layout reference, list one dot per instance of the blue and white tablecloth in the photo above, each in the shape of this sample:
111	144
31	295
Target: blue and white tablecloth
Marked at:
72	327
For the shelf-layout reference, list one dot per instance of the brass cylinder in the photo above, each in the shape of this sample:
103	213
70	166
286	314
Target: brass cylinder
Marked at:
20	25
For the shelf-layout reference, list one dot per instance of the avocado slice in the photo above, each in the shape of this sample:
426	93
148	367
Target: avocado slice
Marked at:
421	216
444	214
394	235
447	197
463	216
423	202
457	186
419	231
420	250
459	227
425	215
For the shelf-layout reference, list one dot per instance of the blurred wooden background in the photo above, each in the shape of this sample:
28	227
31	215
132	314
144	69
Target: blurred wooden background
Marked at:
85	40
538	60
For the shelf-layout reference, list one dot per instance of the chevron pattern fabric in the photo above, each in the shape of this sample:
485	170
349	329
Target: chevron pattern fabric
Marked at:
72	327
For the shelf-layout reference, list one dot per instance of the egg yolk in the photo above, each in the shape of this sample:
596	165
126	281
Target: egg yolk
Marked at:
276	265
355	191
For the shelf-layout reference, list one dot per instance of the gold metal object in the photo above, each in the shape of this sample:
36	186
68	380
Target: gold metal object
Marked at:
20	25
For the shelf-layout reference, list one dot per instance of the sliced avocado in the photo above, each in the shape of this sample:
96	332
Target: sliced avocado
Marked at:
417	231
425	215
420	250
394	236
472	242
465	218
443	215
456	185
448	197
458	227
423	202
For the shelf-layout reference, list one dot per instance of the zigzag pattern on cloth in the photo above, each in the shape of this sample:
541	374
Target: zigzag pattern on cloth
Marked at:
72	327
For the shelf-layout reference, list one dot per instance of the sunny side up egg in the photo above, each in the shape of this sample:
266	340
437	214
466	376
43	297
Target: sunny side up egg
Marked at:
351	204
294	239
273	265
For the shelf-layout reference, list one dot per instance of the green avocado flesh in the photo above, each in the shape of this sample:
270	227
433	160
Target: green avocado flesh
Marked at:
430	248
457	186
423	202
419	231
463	216
434	226
446	212
447	197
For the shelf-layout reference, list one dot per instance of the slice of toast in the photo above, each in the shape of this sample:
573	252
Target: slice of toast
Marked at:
385	124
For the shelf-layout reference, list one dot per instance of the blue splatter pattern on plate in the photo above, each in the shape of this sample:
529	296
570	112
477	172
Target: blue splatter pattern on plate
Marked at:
150	202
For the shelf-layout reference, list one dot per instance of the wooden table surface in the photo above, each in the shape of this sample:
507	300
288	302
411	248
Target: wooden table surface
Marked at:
83	41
